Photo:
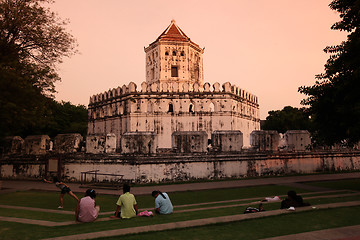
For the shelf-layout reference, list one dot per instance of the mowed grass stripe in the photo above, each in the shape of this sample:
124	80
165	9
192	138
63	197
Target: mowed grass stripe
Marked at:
213	211
253	229
50	200
195	223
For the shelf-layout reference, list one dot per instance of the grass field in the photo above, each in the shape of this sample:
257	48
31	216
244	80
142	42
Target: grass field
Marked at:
234	202
259	228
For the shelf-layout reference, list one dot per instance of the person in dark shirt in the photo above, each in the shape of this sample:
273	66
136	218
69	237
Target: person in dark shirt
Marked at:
64	188
293	200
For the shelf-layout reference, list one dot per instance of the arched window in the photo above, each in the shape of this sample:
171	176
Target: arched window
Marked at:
171	108
174	53
182	53
191	107
212	107
166	53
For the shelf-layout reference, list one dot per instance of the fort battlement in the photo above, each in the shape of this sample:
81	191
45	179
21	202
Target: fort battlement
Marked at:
173	88
174	97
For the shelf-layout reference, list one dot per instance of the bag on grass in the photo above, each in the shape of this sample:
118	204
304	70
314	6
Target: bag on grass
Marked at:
251	210
145	214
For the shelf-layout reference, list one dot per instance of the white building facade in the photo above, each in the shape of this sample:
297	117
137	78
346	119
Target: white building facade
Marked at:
173	98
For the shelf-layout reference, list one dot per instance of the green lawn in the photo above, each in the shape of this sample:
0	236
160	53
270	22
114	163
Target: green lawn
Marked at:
259	228
49	200
350	184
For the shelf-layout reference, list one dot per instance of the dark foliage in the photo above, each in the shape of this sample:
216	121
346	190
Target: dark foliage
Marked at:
334	99
289	118
32	41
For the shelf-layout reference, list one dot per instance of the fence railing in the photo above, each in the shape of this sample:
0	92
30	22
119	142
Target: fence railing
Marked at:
117	178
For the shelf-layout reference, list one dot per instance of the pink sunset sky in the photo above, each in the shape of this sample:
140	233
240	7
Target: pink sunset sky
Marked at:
268	48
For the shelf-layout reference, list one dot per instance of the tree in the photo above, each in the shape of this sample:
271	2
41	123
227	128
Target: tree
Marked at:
64	117
334	99
32	41
289	118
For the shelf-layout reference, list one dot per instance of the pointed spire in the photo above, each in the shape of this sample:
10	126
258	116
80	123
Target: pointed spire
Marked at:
173	33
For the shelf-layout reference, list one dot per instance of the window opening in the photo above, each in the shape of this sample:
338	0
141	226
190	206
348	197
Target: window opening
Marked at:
152	74
191	108
171	108
174	71
212	107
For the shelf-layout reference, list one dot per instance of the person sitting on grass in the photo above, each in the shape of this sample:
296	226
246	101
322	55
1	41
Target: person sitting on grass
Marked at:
64	189
163	204
86	209
293	200
126	204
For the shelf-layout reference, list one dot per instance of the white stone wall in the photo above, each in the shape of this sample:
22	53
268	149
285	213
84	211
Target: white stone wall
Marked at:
190	169
139	143
189	141
22	171
110	143
265	140
128	110
67	143
297	140
37	144
73	170
95	143
227	141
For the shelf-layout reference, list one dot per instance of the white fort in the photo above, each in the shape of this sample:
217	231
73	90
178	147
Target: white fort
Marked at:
174	98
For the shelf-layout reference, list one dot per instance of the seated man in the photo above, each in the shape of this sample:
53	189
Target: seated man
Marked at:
86	210
163	204
293	200
126	204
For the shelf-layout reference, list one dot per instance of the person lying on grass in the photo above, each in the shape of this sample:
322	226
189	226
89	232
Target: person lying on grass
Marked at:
163	203
293	200
64	189
126	204
86	209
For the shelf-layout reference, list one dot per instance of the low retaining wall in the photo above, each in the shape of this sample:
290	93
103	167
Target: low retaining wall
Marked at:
182	167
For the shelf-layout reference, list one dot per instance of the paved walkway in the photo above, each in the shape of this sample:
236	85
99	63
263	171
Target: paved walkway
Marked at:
9	185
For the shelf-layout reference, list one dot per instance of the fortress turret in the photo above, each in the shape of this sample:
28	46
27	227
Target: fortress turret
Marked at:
174	58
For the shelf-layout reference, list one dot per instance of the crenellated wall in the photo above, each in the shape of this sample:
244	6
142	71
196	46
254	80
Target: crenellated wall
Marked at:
166	108
173	88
